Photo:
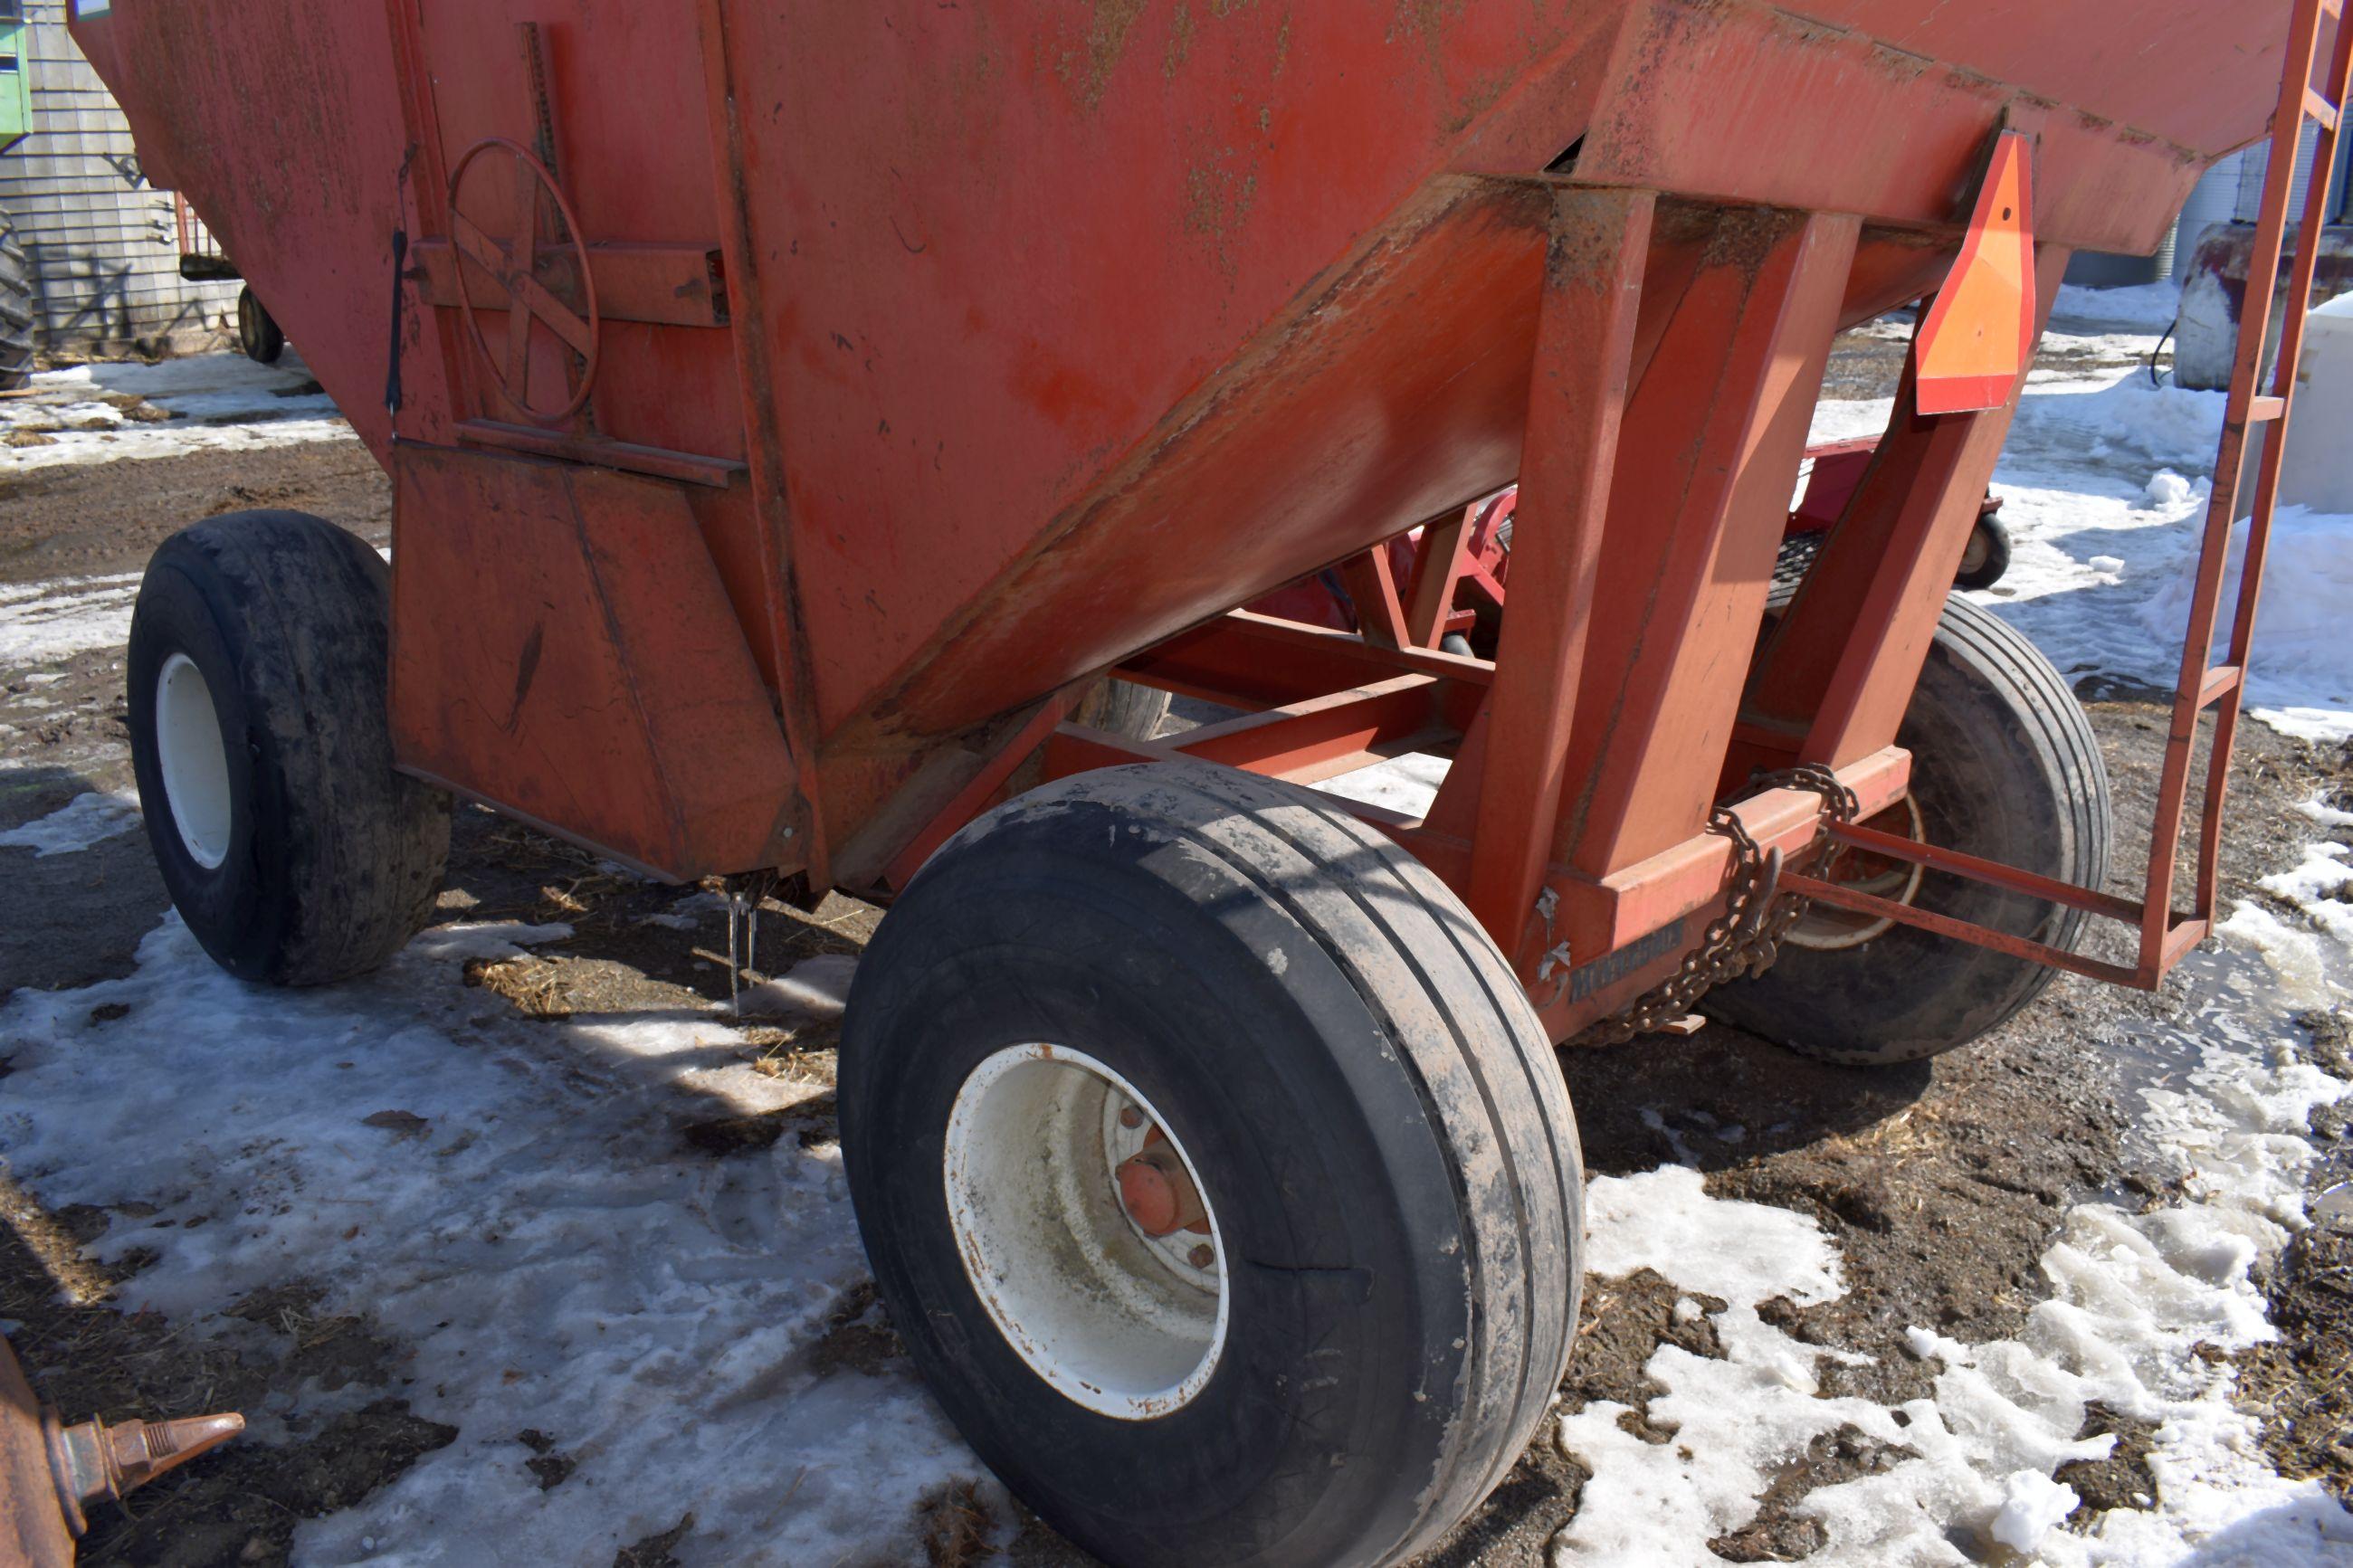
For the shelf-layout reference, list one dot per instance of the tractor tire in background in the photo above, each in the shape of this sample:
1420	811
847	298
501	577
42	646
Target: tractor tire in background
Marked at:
1344	1339
259	731
16	310
257	331
2005	767
1985	558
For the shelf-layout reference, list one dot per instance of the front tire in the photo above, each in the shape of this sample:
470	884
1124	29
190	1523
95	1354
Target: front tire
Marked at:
2004	767
257	672
1383	1146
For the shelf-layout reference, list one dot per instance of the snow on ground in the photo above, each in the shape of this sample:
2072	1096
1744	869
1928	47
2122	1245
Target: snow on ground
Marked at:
102	412
2147	307
511	1198
41	623
85	820
2103	487
2104	493
2132	1297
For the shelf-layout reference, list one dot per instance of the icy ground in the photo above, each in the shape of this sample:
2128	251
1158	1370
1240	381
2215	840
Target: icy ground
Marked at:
509	1197
512	1198
49	621
103	412
2104	486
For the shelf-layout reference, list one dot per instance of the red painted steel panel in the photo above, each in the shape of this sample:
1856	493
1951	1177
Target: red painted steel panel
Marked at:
564	650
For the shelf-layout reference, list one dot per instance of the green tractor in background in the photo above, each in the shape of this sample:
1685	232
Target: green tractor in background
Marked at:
16	267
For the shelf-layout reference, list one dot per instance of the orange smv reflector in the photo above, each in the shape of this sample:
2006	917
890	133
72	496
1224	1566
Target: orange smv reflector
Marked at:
1980	334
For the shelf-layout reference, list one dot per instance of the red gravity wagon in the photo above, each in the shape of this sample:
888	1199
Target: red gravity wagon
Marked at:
797	410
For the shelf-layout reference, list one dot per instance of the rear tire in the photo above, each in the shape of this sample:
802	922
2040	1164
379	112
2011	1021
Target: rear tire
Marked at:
1380	1134
260	736
16	310
2004	767
257	331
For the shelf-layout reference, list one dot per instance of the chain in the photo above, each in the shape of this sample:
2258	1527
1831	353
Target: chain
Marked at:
1744	940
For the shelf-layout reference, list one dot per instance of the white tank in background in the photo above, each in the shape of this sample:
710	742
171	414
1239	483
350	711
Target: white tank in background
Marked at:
2317	470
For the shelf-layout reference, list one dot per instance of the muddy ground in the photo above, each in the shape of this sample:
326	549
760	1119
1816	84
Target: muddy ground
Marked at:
1941	1182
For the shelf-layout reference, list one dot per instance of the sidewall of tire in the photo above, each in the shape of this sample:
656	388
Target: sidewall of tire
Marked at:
332	857
222	905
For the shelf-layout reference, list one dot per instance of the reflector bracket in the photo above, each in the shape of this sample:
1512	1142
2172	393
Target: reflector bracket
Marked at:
1979	334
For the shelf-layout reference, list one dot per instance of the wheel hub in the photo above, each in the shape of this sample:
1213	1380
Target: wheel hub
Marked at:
1084	1230
1158	1192
1827	929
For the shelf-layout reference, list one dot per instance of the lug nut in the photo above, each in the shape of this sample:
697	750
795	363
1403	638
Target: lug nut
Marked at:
1131	1118
1203	1256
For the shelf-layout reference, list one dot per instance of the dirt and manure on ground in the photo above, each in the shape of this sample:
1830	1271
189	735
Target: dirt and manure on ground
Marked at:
1940	1184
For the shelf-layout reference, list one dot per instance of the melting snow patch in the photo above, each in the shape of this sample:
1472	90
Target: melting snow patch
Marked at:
527	1219
2302	672
104	412
2148	307
43	622
2327	816
2134	1297
817	988
86	820
1408	784
2104	489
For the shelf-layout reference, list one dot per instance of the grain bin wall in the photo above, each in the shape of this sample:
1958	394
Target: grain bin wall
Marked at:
103	245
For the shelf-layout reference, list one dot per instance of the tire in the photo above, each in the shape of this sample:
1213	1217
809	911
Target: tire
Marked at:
1379	1130
259	735
1123	708
16	310
1795	559
1987	557
2004	766
257	331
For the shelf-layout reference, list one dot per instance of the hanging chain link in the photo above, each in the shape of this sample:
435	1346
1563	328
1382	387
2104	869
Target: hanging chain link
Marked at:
1746	939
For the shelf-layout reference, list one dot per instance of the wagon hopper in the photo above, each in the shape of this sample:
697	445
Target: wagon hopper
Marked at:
795	411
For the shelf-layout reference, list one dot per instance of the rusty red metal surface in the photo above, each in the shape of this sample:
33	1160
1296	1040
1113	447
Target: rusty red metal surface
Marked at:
830	442
50	1472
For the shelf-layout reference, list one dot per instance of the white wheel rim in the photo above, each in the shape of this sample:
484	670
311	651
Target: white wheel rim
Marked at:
1827	929
193	761
1973	555
1117	1321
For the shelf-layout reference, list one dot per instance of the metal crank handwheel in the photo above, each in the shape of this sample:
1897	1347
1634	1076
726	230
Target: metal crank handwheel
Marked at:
1215	1170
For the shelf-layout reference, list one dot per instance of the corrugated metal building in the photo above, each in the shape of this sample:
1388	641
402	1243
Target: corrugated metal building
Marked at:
103	242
